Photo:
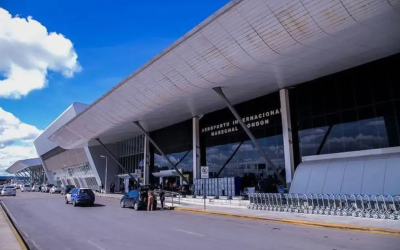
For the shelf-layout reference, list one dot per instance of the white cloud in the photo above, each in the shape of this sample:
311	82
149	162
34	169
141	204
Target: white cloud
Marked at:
28	51
9	155
16	140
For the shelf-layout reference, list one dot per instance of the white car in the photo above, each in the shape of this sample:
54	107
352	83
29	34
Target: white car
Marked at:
46	188
55	189
26	188
8	190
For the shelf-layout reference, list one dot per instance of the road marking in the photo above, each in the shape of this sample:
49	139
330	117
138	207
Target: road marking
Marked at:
188	232
94	244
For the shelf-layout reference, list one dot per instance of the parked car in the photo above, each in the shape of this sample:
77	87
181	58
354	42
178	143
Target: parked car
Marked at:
137	199
46	188
66	189
80	196
26	188
55	189
8	191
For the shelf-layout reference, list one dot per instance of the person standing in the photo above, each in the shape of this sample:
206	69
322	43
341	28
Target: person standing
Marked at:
150	200
112	186
162	199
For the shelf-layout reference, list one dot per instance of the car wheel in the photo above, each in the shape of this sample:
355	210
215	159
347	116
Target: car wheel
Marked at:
66	200
91	204
122	203
74	203
136	206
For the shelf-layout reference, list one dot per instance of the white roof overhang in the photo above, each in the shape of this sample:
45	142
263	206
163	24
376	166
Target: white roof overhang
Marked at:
23	164
250	48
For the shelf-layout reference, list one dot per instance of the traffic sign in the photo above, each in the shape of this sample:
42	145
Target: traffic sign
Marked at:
204	172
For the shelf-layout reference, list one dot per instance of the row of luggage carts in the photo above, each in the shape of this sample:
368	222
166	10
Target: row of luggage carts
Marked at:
356	205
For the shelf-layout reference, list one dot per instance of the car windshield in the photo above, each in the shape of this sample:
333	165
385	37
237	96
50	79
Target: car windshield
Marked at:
27	186
86	191
8	187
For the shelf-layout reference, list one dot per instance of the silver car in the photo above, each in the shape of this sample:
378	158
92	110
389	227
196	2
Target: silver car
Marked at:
8	191
55	189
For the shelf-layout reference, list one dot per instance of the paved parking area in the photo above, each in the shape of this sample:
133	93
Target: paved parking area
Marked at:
49	223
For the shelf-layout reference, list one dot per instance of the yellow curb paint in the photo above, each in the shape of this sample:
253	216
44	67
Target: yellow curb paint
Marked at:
372	230
16	234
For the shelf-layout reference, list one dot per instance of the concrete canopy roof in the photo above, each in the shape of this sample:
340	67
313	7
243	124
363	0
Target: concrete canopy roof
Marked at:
23	164
248	47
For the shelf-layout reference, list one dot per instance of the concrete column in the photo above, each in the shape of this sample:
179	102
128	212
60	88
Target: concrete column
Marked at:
146	161
196	147
48	174
287	135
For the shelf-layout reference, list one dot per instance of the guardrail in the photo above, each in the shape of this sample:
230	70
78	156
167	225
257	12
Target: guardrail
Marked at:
356	205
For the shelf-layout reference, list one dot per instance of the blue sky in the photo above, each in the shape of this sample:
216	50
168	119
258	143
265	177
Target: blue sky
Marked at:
111	40
40	75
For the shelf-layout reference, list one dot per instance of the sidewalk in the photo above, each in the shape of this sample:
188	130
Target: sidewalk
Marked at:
327	221
9	240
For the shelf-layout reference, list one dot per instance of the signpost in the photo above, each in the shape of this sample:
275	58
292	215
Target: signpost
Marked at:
204	172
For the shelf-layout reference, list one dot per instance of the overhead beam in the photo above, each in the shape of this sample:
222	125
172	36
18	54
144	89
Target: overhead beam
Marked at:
184	156
219	91
160	150
321	145
229	159
116	160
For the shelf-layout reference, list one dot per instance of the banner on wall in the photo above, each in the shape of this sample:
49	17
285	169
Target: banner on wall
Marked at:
252	121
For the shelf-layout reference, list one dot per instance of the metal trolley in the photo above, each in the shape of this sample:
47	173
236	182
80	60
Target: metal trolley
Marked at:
356	205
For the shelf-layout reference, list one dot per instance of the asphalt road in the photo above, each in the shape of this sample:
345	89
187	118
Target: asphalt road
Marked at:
49	223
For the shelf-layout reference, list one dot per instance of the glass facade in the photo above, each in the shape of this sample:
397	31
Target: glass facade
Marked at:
224	142
176	142
130	154
357	109
247	159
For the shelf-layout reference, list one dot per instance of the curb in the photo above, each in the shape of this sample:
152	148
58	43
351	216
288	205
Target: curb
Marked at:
373	230
17	235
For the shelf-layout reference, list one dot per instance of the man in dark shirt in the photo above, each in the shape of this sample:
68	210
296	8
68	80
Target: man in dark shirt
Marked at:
162	199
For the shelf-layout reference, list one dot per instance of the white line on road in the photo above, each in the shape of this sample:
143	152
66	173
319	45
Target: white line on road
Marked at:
94	244
188	232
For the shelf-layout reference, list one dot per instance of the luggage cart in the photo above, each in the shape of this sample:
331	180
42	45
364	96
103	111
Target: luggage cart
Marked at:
333	204
328	207
346	207
376	207
369	209
297	202
393	209
339	205
321	204
251	199
308	204
384	212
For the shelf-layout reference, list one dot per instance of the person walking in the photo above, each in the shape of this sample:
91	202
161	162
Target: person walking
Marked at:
150	200
112	186
162	199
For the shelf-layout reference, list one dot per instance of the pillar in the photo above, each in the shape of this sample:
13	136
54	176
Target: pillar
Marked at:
196	147
287	135
146	161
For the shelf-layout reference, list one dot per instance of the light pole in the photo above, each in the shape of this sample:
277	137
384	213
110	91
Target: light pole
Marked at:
105	177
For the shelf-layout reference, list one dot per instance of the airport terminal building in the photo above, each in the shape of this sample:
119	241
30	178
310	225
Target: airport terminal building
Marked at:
307	94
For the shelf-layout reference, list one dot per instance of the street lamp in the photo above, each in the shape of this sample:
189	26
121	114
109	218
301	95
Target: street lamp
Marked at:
105	178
